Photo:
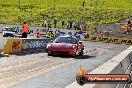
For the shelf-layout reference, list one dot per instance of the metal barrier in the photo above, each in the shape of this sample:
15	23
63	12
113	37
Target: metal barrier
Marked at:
120	64
127	85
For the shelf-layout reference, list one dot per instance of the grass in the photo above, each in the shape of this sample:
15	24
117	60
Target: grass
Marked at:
95	12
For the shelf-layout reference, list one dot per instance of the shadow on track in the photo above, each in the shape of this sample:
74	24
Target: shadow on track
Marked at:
77	57
84	57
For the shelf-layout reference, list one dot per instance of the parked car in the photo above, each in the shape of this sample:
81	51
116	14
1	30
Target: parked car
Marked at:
66	45
8	32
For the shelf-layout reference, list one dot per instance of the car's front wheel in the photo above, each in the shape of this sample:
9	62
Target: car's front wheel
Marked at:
76	53
81	53
4	36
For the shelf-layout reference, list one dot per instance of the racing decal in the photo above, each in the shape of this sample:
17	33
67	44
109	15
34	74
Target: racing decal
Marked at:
129	42
116	41
112	40
16	45
123	41
105	39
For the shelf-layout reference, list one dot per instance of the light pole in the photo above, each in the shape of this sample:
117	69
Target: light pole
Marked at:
19	2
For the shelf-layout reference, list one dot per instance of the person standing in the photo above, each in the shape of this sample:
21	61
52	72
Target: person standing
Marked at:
24	30
70	24
45	23
101	34
50	23
63	23
55	23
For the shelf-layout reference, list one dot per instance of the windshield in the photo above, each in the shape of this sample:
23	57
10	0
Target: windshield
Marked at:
66	40
9	29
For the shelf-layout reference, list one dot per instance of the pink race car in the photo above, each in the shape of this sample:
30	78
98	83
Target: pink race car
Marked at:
66	45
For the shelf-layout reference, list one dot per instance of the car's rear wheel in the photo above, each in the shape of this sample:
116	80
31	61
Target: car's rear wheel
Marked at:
49	54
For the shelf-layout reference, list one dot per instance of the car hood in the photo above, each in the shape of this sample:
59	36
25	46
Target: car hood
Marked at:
62	45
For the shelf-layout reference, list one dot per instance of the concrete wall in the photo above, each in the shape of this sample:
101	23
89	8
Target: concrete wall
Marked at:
117	65
33	44
17	45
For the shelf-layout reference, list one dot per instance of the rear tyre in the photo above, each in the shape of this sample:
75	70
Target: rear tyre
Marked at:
49	54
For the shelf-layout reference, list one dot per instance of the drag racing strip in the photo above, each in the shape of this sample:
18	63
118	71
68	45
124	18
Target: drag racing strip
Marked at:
60	71
13	71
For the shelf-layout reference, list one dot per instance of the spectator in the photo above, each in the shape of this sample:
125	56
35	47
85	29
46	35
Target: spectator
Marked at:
70	24
45	23
75	26
63	23
78	27
101	34
67	25
129	21
50	24
55	23
24	30
37	34
129	25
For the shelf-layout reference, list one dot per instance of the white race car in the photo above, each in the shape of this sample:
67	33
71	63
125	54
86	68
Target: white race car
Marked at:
8	31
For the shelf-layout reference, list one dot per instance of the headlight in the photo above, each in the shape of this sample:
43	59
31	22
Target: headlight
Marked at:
13	33
49	46
73	46
4	33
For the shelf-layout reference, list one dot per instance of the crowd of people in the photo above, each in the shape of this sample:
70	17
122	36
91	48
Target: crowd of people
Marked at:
64	24
48	25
